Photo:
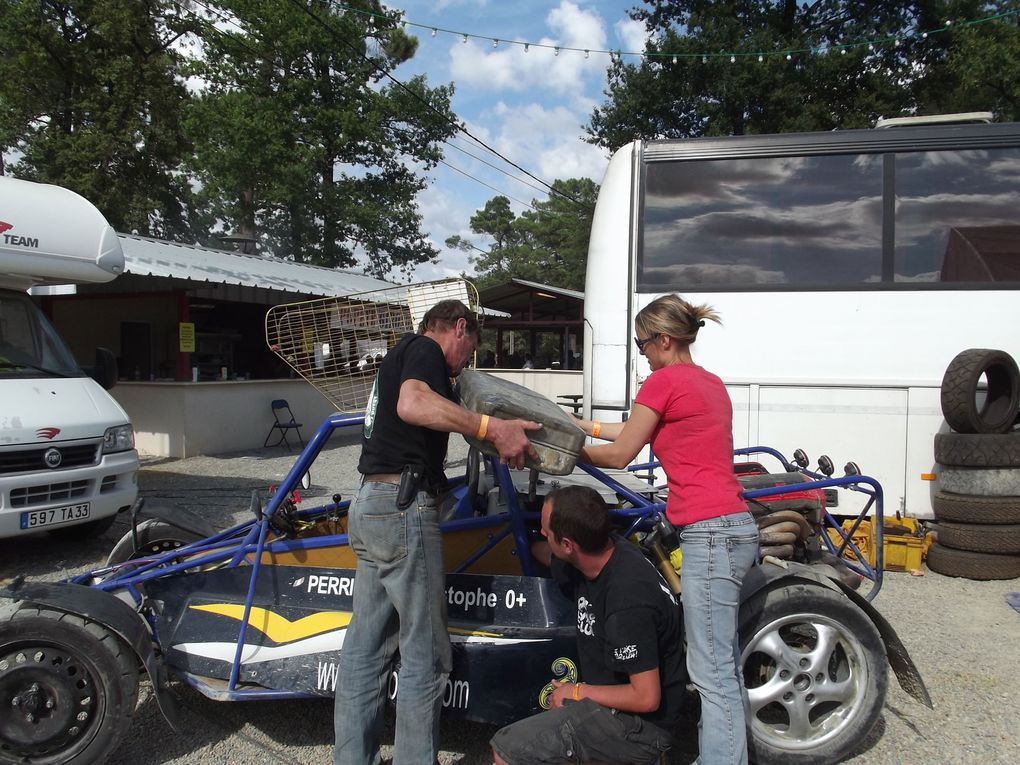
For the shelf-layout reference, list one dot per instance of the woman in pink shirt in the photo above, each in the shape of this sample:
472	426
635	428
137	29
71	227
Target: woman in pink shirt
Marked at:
684	412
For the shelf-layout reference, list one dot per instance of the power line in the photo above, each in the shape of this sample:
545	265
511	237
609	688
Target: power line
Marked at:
427	105
225	19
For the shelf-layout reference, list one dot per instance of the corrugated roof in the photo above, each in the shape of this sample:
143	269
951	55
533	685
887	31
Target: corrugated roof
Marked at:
152	257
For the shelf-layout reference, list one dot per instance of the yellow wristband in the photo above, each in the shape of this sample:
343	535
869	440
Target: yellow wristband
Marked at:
483	428
596	429
577	691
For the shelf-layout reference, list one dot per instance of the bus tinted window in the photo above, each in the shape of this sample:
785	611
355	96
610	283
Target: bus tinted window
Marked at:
761	222
958	216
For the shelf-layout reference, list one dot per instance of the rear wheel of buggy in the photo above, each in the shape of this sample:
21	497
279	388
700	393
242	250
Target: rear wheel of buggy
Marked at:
154	538
816	675
68	687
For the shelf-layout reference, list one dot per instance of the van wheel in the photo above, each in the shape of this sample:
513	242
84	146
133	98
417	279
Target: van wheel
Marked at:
816	675
83	530
68	688
154	538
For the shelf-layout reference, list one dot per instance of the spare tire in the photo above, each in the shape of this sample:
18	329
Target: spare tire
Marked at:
972	565
960	387
969	508
995	538
987	482
978	449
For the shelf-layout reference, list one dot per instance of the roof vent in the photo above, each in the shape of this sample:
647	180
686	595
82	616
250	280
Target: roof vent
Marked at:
935	119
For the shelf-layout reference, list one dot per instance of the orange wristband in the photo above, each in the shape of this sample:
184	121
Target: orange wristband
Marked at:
577	691
483	428
596	429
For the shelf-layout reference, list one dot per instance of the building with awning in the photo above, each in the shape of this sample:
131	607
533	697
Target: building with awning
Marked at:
187	326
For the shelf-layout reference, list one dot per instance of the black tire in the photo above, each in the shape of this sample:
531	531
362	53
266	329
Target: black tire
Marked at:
970	508
788	723
68	688
960	386
154	538
972	565
978	449
86	530
990	538
982	482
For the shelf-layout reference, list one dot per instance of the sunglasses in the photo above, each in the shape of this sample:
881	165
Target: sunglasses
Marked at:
642	343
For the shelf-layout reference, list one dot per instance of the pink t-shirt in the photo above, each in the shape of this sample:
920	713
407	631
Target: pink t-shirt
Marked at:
694	442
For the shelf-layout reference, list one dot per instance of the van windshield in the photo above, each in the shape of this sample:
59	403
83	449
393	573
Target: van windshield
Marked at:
29	346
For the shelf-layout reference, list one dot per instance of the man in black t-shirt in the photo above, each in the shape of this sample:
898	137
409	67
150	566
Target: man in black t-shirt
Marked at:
399	588
628	644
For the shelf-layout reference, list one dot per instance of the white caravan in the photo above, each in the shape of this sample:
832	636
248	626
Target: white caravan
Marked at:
849	268
67	457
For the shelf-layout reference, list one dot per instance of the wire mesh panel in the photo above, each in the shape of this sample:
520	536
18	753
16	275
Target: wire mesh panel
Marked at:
337	343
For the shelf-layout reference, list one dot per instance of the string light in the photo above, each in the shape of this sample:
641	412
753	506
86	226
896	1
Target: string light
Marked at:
374	19
733	59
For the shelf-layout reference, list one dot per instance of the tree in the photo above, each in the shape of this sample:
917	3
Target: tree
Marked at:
302	144
89	99
547	244
832	79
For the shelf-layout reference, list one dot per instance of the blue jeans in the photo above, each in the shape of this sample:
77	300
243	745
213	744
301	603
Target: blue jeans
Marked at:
717	553
398	602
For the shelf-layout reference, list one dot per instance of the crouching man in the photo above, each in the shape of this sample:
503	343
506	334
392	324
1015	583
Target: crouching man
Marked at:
628	646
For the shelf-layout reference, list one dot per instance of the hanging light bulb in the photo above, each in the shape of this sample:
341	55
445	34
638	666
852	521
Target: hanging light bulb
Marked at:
842	51
949	22
789	57
760	58
733	59
433	31
924	35
674	59
587	55
464	38
704	59
526	46
556	51
495	43
871	47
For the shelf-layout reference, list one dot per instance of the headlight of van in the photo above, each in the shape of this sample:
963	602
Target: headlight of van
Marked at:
119	438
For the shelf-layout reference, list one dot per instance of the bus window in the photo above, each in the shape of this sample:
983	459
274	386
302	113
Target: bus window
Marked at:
958	216
761	222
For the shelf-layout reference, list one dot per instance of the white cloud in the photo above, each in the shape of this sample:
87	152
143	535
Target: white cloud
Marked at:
631	34
546	141
509	67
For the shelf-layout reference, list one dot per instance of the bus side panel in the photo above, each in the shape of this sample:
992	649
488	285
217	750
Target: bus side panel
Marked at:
607	286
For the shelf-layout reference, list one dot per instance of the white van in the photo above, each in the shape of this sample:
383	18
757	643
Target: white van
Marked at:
67	457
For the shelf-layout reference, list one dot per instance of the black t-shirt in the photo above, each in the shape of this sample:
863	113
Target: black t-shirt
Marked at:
387	442
628	622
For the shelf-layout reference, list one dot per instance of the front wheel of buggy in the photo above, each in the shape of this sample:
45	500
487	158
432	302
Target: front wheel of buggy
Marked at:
68	688
816	675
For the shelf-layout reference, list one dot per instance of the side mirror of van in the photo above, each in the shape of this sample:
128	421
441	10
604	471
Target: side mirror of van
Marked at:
105	370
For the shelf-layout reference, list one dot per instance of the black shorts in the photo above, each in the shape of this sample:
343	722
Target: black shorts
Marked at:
581	731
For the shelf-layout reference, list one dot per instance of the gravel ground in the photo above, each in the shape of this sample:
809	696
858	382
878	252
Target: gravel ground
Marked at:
962	635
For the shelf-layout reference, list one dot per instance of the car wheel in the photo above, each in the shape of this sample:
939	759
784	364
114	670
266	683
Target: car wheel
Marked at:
960	387
990	538
816	675
85	530
971	508
68	688
154	538
984	482
972	565
978	449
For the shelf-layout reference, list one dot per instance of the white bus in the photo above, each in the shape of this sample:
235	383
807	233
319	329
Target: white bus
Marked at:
849	268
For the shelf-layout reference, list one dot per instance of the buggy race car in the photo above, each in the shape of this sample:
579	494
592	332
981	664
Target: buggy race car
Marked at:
259	610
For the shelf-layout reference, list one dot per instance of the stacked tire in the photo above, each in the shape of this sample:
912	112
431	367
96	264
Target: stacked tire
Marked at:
977	505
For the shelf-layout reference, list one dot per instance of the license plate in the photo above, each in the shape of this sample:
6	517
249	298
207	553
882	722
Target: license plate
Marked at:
34	519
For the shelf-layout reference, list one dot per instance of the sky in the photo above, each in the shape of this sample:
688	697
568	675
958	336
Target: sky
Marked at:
531	106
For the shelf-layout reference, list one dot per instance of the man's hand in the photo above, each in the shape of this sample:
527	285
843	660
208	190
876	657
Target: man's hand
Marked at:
562	692
511	440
